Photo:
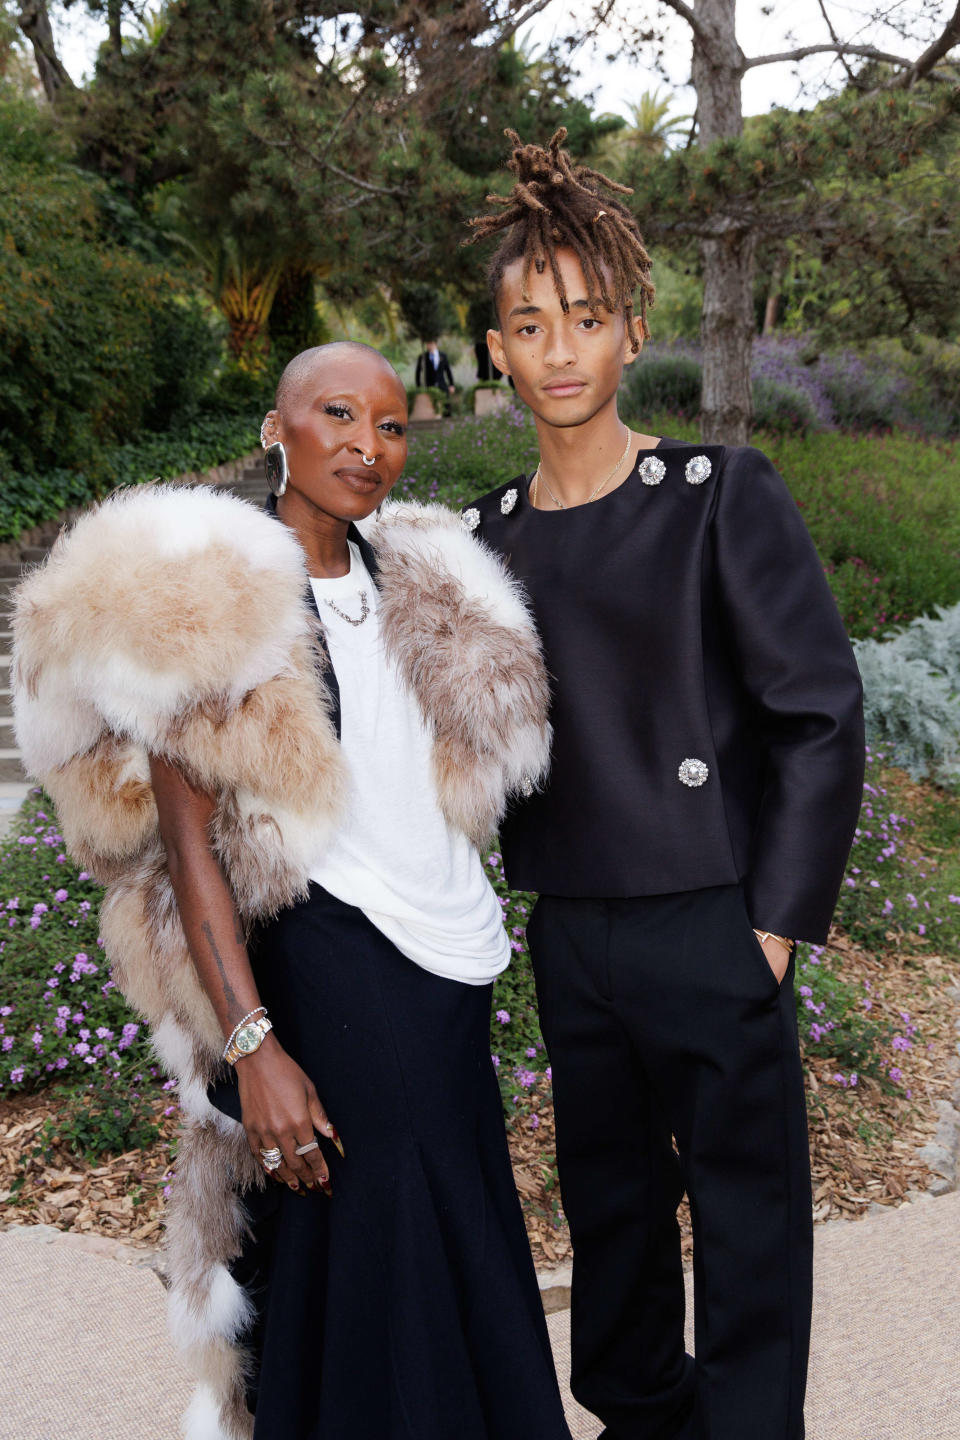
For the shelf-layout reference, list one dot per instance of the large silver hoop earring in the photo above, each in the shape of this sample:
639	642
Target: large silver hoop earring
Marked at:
275	461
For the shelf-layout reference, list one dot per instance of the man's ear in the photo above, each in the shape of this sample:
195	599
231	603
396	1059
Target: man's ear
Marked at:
497	353
629	354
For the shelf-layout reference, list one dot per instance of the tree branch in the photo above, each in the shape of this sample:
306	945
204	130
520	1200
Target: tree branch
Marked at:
922	66
866	52
835	38
511	28
682	9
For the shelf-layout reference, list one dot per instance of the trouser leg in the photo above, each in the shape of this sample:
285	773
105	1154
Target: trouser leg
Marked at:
712	1043
621	1185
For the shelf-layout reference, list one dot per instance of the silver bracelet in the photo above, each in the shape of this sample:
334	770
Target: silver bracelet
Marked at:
239	1026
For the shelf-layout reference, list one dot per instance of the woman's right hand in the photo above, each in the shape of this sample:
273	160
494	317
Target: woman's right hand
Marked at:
281	1109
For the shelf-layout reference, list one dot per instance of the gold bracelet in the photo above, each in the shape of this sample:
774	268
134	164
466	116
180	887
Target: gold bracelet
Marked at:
763	935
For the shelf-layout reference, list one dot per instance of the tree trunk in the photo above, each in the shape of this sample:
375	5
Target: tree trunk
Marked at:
726	332
727	325
34	21
114	17
773	293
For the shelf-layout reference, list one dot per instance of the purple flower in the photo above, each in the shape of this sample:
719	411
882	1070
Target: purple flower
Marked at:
503	1016
60	896
16	1075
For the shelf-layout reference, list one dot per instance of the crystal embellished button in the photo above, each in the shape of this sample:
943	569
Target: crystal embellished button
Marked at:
693	773
526	788
698	469
470	519
652	470
508	502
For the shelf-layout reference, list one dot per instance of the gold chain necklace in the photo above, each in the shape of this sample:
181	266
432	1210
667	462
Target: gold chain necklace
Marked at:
538	476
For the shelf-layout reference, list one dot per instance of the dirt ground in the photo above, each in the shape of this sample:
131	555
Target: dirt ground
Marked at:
863	1141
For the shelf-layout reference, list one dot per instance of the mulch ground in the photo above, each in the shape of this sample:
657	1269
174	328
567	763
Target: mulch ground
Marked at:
863	1141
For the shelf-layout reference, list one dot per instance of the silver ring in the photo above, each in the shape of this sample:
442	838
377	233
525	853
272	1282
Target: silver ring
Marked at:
272	1164
371	461
272	1159
305	1149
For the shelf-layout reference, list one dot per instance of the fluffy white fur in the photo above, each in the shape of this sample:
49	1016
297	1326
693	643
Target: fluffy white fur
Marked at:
173	621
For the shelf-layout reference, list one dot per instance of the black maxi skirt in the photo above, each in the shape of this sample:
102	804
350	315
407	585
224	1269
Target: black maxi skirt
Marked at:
405	1308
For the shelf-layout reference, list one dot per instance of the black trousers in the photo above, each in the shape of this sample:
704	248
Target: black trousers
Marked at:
663	1019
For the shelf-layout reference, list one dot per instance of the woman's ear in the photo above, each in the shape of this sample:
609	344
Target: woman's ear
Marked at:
497	353
270	429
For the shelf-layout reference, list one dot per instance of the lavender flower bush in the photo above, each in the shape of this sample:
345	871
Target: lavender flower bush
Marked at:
889	897
797	388
62	1019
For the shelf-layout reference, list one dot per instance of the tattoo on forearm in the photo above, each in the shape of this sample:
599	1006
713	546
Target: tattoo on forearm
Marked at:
233	1003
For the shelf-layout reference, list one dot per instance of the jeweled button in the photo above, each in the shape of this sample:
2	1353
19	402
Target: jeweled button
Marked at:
470	519
652	470
693	773
698	469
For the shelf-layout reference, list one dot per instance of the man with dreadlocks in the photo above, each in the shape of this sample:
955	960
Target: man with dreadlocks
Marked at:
706	778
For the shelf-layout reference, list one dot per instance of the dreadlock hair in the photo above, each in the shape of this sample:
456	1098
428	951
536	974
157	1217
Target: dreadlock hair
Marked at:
555	204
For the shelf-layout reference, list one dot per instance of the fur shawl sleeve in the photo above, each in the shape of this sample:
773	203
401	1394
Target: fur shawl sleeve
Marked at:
173	621
459	628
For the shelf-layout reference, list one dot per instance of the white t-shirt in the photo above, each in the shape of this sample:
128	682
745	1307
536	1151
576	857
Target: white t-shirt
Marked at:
394	856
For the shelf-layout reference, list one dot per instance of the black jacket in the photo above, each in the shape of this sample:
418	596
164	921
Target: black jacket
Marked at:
682	622
437	374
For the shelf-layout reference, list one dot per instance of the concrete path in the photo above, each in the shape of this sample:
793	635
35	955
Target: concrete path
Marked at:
84	1353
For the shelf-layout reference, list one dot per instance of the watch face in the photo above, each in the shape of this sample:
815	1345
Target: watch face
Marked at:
248	1038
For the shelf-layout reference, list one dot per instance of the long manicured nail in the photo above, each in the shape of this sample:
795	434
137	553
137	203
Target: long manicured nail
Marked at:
338	1142
327	1188
294	1186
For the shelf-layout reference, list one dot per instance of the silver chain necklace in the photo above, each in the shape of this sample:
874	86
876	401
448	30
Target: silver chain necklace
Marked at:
364	609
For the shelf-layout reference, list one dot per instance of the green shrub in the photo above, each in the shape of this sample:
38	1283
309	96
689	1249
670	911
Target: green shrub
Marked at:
781	409
469	457
911	683
933	400
185	343
106	1117
207	440
884	516
655	383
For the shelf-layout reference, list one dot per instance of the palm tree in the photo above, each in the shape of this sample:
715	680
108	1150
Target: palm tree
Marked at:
650	130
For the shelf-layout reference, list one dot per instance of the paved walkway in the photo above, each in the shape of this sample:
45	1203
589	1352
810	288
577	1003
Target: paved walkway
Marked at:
84	1353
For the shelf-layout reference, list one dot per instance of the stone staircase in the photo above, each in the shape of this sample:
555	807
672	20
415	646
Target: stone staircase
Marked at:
250	485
